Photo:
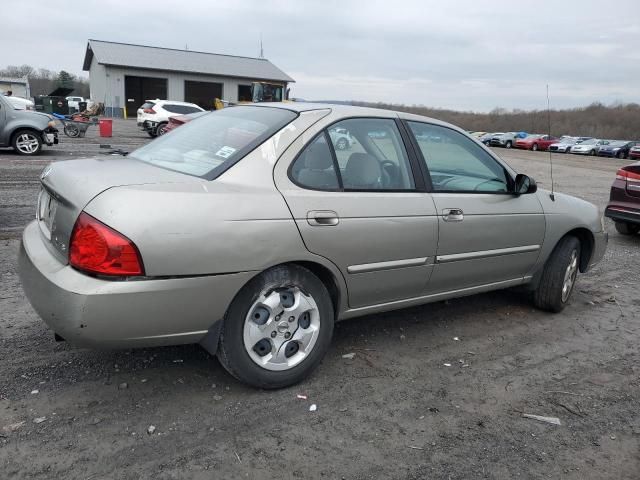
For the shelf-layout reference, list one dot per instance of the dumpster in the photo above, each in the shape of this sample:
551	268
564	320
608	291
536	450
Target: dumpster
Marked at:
105	126
55	102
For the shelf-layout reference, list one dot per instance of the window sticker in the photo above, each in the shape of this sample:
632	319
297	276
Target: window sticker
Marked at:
225	152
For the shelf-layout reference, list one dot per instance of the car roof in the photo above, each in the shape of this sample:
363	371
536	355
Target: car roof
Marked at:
351	111
173	102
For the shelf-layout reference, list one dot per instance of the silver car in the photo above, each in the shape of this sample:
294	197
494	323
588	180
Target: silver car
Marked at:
249	232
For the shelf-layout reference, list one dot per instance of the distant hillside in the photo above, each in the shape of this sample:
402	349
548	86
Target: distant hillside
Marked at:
597	120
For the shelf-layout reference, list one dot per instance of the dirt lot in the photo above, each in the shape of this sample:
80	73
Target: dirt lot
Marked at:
394	411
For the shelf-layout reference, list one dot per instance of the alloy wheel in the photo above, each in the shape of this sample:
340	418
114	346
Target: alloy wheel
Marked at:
570	275
27	143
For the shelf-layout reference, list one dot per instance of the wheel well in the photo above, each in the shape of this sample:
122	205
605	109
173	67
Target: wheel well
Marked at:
586	245
21	129
326	276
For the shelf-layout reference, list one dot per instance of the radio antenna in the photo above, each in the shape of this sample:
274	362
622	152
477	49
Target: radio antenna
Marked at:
552	195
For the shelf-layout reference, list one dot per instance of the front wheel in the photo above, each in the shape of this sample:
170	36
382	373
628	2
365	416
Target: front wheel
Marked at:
592	153
620	155
278	328
626	228
27	142
559	276
534	147
509	144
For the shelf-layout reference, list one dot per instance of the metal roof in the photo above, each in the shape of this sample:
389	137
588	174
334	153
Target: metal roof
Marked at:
168	59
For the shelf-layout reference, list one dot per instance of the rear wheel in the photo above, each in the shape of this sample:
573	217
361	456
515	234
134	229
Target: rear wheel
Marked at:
27	142
559	276
278	328
626	228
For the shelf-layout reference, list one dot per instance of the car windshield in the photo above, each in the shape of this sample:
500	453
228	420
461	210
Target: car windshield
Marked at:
617	144
207	146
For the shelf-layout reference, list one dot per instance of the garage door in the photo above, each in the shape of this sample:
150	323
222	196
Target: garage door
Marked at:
139	89
202	93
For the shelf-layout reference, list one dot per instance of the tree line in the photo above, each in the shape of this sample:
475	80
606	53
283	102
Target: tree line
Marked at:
43	81
617	121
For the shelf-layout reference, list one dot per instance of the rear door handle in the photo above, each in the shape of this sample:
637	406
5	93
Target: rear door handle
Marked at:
452	215
322	218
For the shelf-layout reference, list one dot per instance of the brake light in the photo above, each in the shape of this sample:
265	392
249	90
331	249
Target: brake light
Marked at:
623	174
148	110
97	248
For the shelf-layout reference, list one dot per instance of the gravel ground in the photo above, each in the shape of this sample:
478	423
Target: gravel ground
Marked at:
392	411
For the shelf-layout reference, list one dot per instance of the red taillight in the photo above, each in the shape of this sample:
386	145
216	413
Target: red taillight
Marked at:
148	110
623	174
97	248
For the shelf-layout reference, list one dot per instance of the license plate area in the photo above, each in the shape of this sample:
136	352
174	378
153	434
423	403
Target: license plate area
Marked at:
46	212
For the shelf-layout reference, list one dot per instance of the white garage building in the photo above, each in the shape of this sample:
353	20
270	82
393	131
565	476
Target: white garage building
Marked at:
123	76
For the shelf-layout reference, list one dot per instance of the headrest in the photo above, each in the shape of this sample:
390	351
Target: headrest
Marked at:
362	170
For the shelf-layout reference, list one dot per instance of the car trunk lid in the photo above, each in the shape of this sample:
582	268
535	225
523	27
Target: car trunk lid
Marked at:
68	186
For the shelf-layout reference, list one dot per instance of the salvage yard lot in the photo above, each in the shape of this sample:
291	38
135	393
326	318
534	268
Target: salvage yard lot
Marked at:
394	410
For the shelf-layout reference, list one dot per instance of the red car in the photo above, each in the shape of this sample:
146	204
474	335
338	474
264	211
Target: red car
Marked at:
634	153
175	122
624	202
536	142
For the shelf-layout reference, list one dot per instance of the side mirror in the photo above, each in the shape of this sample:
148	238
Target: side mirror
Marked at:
525	184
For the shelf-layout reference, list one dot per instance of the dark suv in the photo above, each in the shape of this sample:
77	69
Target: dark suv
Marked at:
624	202
24	130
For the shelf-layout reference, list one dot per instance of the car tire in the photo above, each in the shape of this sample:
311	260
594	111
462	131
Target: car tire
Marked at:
592	153
27	142
626	228
150	133
508	144
620	155
342	144
240	329
160	129
534	147
558	276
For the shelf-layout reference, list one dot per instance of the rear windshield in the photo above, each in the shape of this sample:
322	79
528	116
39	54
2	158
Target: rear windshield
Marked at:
209	145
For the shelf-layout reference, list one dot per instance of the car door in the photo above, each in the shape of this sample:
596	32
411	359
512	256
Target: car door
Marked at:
363	207
487	235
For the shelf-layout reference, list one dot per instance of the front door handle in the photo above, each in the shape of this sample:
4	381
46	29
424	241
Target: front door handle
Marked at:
322	218
452	215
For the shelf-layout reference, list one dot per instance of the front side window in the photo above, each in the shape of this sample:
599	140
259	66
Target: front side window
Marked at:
208	145
371	155
457	163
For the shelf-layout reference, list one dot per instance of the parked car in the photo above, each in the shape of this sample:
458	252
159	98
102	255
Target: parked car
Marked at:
563	145
506	140
486	138
248	232
342	139
175	122
536	142
624	200
617	148
588	147
478	134
153	116
20	103
74	102
634	152
24	130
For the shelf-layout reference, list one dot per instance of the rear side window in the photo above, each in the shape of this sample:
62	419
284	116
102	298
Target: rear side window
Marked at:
209	145
366	154
183	109
147	105
315	168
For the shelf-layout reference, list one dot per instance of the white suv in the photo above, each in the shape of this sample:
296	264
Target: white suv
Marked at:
154	115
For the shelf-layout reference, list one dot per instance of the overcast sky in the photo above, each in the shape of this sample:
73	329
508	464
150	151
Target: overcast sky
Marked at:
465	55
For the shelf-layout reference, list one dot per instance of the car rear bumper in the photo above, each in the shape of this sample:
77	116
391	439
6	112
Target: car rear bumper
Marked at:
89	311
622	213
